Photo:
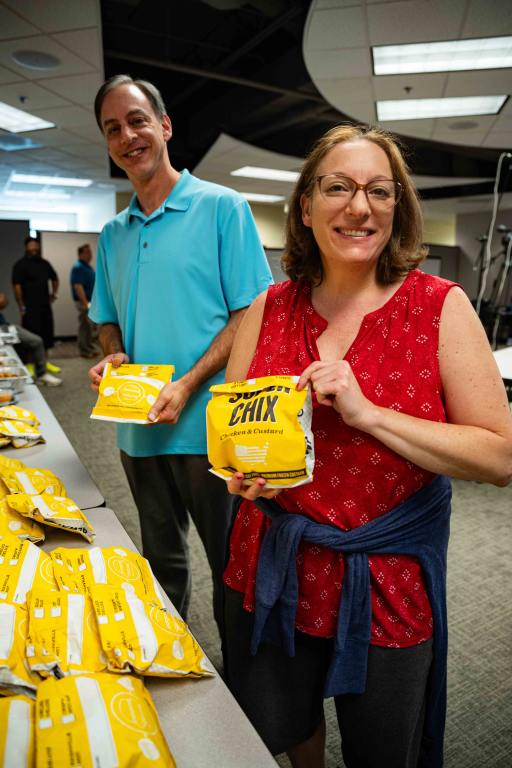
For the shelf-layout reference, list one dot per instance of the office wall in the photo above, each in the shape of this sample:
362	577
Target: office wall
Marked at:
12	235
270	220
60	248
441	231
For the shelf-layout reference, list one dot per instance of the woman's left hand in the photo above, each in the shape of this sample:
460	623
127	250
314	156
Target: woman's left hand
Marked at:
336	385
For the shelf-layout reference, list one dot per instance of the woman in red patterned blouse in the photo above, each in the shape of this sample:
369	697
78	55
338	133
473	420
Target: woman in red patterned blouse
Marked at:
404	388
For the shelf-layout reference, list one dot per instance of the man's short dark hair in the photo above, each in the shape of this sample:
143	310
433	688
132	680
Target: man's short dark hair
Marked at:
81	248
31	239
152	94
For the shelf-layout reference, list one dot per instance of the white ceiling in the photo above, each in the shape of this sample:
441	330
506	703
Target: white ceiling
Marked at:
70	30
337	51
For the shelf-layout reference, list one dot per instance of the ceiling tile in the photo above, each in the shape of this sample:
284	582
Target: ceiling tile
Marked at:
504	123
487	18
498	140
448	136
340	28
54	137
422	86
349	62
80	89
361	111
324	4
479	83
411	21
478	123
58	14
69	63
12	25
66	116
421	128
35	97
7	76
334	89
88	131
86	43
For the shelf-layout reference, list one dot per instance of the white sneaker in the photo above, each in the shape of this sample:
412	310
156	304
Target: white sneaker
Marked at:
49	380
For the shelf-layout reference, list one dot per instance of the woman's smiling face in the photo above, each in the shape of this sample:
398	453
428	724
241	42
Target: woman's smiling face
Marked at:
355	231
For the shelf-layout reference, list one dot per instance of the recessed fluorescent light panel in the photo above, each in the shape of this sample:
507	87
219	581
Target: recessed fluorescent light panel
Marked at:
271	174
255	197
443	56
58	181
421	109
17	121
9	142
42	195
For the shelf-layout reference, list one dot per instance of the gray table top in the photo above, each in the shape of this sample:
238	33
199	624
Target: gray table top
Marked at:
202	722
57	454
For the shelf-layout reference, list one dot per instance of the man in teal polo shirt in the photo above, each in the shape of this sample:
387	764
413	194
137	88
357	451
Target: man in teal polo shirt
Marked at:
175	272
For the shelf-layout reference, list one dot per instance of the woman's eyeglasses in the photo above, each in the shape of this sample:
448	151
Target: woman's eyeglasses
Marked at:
381	194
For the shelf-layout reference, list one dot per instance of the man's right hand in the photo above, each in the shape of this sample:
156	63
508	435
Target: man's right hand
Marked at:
96	372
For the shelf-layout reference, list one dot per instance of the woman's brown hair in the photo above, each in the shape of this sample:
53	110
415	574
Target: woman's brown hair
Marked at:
404	250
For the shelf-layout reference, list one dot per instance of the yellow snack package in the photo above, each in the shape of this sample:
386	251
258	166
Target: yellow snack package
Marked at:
261	427
15	674
127	392
20	435
9	465
17	748
98	721
31	480
140	637
56	511
80	570
22	567
62	636
14	412
13	523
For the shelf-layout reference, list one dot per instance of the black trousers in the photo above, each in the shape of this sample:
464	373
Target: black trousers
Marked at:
166	489
283	696
38	319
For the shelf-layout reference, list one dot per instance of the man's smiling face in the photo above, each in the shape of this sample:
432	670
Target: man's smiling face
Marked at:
136	136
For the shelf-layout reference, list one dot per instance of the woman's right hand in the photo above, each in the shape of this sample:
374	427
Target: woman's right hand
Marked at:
257	489
96	372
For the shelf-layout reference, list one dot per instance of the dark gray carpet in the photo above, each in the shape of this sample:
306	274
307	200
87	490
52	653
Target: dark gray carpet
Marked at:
479	732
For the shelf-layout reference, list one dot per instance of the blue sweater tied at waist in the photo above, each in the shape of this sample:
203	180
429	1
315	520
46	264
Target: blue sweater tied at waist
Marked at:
418	527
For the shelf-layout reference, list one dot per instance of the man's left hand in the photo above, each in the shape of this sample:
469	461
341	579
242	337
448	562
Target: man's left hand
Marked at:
170	403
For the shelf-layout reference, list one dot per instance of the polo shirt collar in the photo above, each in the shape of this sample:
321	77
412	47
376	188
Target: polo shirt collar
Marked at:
178	199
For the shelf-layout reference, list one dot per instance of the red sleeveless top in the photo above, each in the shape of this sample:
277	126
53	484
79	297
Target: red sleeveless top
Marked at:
356	478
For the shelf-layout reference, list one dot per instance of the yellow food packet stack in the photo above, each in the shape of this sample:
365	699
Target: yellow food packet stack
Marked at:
261	427
62	636
98	721
14	524
128	392
17	749
56	511
31	480
22	567
19	434
80	570
14	412
140	637
15	674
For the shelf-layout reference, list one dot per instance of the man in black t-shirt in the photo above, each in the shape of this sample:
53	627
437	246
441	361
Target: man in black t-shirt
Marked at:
31	276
